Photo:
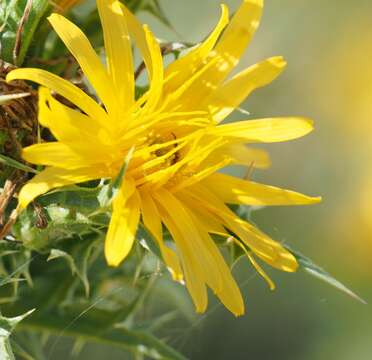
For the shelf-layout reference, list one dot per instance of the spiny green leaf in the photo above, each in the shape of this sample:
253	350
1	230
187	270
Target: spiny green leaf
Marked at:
82	252
310	267
7	326
63	223
77	255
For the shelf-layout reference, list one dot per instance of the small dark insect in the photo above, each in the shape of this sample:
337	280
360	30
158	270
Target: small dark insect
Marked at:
41	218
176	156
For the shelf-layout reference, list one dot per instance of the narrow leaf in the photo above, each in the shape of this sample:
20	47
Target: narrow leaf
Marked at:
87	329
315	270
16	164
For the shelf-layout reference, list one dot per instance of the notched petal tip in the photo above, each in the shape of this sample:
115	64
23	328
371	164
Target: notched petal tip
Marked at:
278	61
239	313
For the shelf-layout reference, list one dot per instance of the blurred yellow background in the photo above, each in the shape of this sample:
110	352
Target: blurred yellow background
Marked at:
328	46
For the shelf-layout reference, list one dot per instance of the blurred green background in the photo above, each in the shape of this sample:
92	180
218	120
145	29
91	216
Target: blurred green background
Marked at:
328	46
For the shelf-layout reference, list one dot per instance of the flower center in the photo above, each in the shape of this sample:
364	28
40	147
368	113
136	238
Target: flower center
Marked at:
160	155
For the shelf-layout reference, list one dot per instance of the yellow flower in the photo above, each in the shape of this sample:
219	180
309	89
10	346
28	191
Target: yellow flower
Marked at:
179	143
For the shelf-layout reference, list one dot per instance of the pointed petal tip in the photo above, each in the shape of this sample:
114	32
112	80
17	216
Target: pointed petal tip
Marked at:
308	121
317	199
225	13
307	124
310	200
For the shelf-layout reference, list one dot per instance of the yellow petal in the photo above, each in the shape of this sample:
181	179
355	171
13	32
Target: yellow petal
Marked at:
63	88
123	225
194	276
265	130
156	78
261	271
152	221
210	222
61	155
262	245
150	215
256	265
80	47
118	50
53	154
228	292
70	126
233	190
231	94
183	68
45	114
190	94
239	32
200	175
225	55
137	32
52	178
240	154
193	243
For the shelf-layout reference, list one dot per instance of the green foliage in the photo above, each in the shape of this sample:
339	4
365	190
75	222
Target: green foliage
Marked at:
311	268
7	326
73	290
6	160
19	23
53	261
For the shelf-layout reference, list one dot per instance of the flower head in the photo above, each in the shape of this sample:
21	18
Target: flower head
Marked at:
179	144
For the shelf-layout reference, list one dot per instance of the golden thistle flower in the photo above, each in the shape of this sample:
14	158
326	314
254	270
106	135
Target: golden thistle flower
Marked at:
180	144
